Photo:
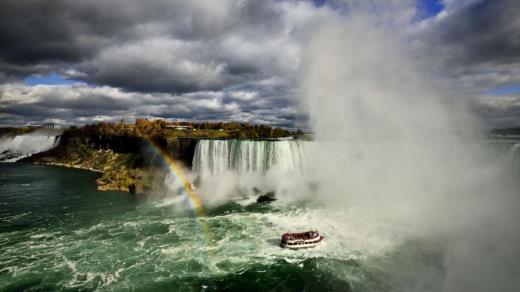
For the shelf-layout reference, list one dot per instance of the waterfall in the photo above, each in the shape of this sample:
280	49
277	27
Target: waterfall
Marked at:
515	155
213	157
505	150
515	150
18	147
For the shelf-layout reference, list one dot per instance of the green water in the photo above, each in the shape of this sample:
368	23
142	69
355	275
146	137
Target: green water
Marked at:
58	233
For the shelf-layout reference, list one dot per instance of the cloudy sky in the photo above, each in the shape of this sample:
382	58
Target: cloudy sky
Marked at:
80	61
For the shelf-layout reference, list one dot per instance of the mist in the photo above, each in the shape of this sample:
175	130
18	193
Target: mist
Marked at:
395	152
391	143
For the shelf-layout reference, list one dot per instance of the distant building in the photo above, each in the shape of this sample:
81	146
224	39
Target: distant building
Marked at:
49	125
179	127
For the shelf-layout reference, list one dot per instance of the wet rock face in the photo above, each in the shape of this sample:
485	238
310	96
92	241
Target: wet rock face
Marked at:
182	149
9	154
117	143
267	198
127	162
179	149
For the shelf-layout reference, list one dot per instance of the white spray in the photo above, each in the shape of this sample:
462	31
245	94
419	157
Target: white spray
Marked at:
389	144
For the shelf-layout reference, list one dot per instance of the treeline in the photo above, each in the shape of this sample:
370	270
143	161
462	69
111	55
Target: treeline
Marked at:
165	129
240	130
506	131
122	137
15	131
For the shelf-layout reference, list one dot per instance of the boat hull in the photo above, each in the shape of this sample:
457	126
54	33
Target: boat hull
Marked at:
301	244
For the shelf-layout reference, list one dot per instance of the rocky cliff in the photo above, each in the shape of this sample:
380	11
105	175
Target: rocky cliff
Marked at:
122	152
124	162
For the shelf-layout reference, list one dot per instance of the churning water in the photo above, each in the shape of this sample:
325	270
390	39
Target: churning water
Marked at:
57	232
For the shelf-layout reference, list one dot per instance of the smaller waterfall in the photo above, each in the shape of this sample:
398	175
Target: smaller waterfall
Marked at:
515	154
515	149
18	147
213	157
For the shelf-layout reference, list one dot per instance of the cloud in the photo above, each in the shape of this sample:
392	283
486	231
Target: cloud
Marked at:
475	46
477	41
248	52
185	48
157	65
499	111
158	45
79	104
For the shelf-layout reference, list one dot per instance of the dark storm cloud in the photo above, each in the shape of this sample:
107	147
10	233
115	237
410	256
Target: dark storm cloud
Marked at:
485	31
34	31
165	56
51	32
479	41
158	45
476	45
180	59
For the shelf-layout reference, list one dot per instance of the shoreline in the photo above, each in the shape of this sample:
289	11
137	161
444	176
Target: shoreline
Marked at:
100	186
67	165
117	172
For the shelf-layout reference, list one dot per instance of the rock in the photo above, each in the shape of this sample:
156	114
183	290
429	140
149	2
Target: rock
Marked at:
267	198
9	154
131	188
181	149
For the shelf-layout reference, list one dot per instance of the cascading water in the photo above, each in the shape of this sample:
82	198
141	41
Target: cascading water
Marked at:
214	157
504	151
18	147
231	167
515	149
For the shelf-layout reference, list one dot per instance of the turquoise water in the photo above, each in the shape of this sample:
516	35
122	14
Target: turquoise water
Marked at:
58	233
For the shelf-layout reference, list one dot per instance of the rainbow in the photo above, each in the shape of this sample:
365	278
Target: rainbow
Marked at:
177	169
194	201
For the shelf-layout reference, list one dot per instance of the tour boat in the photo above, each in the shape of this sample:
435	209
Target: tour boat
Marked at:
299	240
